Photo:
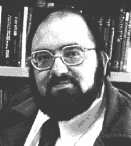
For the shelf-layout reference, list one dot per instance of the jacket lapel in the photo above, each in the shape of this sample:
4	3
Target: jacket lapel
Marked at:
116	126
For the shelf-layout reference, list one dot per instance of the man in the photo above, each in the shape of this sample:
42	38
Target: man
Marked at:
77	105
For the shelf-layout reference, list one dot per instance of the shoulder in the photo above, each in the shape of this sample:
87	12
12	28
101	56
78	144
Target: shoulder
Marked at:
116	127
118	113
16	122
117	95
21	108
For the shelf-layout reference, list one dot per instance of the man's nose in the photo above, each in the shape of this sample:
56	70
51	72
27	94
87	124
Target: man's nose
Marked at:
59	67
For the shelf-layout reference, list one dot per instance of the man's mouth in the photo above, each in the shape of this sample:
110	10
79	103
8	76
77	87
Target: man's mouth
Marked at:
63	84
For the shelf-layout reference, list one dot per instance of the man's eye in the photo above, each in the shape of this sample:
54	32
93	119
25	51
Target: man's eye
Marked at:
43	57
72	54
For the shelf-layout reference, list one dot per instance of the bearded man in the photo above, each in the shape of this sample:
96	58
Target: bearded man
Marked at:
77	105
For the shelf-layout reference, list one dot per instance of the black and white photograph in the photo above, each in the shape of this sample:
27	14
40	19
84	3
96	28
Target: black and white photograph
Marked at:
65	73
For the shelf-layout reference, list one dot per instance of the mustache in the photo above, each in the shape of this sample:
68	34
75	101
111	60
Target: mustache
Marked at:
54	80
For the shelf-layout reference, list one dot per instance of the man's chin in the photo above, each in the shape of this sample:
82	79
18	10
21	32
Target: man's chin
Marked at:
65	106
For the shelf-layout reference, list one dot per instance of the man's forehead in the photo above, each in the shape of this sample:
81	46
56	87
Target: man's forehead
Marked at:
65	27
65	18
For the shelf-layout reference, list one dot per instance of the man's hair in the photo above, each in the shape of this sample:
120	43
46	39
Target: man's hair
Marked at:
40	15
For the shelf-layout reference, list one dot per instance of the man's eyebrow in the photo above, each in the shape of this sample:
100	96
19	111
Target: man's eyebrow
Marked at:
70	44
39	49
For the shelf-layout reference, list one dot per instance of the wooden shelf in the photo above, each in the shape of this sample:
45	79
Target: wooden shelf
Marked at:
120	77
7	71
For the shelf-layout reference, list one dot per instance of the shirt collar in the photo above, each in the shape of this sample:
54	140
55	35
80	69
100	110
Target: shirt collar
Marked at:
40	119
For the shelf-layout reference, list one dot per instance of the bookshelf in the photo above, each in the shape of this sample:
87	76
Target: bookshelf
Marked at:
23	72
120	77
6	71
20	72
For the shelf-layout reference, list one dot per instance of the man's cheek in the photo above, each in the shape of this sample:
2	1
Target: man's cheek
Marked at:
42	80
42	86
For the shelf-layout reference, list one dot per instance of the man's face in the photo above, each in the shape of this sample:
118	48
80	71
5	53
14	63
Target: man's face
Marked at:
66	91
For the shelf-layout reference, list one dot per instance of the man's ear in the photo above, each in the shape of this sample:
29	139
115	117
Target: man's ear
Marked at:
105	60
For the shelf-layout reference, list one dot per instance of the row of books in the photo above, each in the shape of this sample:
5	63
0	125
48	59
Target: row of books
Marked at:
15	24
116	31
15	21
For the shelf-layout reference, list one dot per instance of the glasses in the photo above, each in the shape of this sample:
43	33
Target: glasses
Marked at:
70	55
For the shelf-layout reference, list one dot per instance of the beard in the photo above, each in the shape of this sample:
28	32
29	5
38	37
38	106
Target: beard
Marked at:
65	104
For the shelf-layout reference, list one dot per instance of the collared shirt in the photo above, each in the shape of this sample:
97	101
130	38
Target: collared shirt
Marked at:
34	134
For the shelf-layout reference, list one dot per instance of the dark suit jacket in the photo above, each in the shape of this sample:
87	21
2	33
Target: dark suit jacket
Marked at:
116	127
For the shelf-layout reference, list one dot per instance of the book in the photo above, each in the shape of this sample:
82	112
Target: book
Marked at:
123	47
11	27
16	36
118	40
111	39
99	20
29	24
29	20
1	56
1	101
19	32
6	35
105	30
127	57
24	36
128	65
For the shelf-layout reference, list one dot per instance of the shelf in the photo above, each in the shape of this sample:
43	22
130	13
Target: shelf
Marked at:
120	77
7	71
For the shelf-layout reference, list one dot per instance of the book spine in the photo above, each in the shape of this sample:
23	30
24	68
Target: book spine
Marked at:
19	39
29	23
24	37
118	40
8	39
124	41
1	56
111	40
16	37
127	57
1	100
3	33
106	28
99	20
29	19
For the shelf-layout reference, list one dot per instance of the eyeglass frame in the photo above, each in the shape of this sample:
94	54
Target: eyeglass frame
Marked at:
56	56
